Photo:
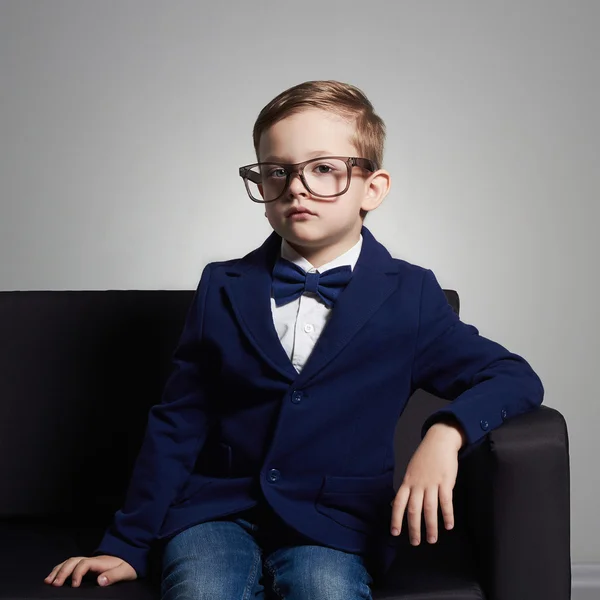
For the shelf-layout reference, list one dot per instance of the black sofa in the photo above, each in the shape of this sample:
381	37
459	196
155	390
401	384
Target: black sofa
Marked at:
79	371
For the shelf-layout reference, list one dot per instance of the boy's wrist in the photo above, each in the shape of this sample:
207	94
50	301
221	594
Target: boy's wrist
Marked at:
452	430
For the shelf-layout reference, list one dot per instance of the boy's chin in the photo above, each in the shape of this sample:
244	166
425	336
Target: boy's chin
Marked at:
306	236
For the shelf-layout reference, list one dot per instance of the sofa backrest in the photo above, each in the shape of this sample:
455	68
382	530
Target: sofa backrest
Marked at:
79	371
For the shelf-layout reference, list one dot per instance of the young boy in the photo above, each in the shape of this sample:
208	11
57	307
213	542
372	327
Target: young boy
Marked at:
268	465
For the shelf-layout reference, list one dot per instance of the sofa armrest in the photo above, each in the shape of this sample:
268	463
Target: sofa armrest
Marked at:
517	489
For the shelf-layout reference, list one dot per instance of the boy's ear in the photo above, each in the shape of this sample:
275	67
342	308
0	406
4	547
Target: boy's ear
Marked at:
378	188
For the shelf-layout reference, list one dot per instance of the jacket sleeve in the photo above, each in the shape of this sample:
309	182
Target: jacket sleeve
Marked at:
175	432
486	383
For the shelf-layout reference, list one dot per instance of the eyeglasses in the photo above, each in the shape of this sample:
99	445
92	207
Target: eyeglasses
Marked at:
324	177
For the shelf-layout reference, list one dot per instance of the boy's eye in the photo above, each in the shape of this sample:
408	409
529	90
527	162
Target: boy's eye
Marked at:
274	172
323	169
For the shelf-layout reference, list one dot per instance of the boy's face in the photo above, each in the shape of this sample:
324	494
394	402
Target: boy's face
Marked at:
310	134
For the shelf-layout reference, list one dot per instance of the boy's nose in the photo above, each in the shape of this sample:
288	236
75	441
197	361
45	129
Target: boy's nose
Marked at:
296	186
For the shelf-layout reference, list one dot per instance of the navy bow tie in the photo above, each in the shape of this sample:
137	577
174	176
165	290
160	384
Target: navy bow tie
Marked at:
290	281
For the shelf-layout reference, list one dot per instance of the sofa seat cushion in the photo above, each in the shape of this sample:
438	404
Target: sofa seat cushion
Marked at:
30	550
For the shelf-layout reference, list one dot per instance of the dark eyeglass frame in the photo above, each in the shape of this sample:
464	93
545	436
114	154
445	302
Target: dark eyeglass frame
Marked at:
291	168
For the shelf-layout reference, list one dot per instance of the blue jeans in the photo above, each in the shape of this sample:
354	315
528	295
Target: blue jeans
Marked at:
256	555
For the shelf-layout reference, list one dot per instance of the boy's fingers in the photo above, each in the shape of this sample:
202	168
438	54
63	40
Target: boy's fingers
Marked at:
430	510
446	506
80	570
398	507
415	508
65	570
52	574
122	572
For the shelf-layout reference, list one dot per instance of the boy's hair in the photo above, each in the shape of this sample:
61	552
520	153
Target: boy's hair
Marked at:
342	99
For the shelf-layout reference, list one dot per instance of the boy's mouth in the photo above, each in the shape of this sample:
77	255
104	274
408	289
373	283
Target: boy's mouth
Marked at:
299	210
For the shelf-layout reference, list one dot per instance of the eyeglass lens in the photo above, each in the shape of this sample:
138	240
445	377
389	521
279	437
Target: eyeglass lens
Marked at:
324	177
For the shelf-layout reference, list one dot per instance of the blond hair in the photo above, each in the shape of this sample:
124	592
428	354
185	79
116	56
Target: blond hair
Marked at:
343	99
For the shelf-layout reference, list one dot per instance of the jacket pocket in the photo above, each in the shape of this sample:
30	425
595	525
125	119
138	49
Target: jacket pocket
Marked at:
359	503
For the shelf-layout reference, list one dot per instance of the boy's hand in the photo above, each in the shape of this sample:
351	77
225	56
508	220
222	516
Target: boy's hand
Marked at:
431	473
111	569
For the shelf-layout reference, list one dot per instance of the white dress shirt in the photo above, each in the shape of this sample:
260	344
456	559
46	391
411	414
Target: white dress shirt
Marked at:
299	323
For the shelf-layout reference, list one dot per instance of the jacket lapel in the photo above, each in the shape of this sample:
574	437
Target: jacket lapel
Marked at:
374	279
248	288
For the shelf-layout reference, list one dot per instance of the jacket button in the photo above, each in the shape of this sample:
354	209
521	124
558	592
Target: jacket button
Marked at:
484	425
503	414
296	397
274	475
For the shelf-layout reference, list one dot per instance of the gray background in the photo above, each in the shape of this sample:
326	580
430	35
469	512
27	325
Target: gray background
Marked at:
122	125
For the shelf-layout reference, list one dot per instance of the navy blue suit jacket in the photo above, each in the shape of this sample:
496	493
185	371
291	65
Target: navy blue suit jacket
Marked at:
236	420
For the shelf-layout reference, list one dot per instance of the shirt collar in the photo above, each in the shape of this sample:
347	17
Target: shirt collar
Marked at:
347	258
